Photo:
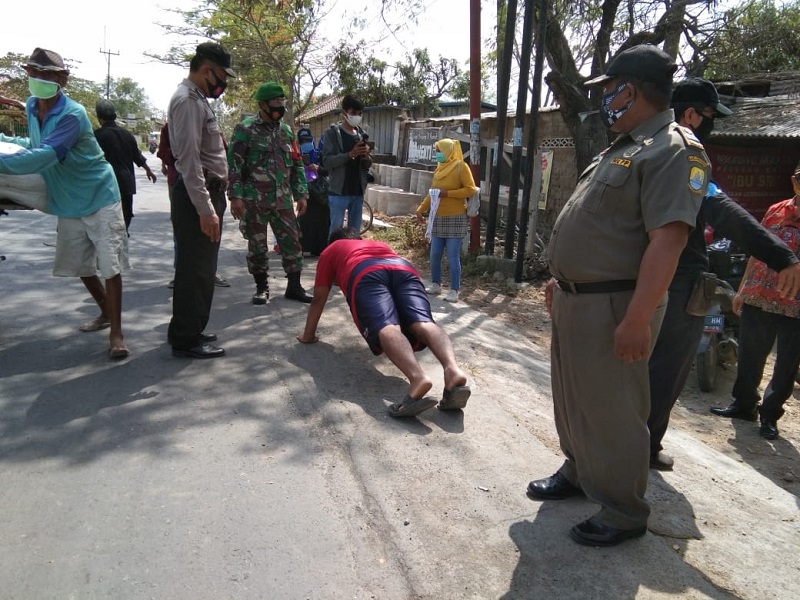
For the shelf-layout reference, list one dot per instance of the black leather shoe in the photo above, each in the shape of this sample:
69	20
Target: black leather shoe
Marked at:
736	412
555	487
199	351
768	429
593	532
205	338
661	462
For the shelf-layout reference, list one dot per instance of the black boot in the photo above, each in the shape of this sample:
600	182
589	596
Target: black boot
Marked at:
295	291
262	288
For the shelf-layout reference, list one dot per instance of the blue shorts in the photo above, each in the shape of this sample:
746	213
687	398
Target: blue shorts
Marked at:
387	296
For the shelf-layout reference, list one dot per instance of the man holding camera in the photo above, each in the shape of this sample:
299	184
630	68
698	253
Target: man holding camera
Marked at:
346	155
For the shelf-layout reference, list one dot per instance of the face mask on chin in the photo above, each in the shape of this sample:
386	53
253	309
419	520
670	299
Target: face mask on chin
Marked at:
705	128
42	88
216	89
609	115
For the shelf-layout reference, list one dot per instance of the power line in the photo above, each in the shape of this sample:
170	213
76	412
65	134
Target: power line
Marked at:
108	54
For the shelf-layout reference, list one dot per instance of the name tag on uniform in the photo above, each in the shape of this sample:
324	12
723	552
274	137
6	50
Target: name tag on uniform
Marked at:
622	162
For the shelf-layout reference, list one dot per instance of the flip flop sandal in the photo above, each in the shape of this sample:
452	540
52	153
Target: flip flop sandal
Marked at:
410	407
94	325
118	352
456	398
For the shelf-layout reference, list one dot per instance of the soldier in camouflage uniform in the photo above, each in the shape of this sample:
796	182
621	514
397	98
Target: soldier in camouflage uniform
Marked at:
265	174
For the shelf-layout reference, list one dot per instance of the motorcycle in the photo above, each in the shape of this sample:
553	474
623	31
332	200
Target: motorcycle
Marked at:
153	147
718	345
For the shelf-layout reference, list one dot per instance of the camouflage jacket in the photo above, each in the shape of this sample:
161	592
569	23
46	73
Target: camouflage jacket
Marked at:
264	164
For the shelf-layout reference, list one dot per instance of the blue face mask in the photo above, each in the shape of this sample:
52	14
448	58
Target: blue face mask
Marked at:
612	116
440	158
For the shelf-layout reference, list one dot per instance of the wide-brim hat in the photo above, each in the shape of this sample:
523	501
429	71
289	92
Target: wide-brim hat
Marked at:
644	62
46	60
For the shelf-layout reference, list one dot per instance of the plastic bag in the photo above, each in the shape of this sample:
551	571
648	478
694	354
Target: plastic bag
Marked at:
474	205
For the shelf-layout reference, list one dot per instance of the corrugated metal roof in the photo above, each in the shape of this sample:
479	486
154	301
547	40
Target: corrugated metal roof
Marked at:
332	105
771	117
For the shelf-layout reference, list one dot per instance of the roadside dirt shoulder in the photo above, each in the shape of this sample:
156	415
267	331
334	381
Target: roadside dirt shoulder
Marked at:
779	460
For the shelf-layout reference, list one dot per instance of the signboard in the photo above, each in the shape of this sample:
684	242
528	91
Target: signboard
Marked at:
547	169
420	145
755	177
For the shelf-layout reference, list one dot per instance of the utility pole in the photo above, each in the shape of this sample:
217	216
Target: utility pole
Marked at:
503	77
108	54
475	113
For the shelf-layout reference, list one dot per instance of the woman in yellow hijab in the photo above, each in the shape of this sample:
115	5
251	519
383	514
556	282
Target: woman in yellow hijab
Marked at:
454	181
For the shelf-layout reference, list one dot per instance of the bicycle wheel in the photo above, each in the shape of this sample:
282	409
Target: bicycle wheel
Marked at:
366	217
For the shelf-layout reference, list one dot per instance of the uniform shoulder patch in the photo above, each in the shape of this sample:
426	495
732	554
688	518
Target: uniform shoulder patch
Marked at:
697	179
688	137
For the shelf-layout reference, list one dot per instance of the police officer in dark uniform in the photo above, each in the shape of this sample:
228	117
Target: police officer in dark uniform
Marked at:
613	253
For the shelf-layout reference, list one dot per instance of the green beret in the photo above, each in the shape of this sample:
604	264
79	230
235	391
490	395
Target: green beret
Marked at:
269	91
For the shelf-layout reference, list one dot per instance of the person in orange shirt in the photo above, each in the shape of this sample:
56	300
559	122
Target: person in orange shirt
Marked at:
454	181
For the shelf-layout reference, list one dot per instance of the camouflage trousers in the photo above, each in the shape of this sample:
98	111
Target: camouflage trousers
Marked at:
253	226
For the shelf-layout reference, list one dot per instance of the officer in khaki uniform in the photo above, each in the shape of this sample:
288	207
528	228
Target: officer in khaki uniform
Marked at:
613	252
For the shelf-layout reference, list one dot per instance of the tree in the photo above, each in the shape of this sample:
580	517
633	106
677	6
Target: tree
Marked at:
13	80
268	40
603	29
757	37
416	83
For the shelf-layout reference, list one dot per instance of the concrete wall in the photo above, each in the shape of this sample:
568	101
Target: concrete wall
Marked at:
552	134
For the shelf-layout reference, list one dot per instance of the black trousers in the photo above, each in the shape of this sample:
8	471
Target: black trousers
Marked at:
195	267
671	361
127	209
757	334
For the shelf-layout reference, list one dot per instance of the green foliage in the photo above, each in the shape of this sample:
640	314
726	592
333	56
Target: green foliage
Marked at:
759	36
13	80
269	40
417	83
128	97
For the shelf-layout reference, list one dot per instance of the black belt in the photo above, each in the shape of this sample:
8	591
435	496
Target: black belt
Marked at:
597	287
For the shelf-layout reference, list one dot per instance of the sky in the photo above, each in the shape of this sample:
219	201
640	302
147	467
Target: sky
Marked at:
86	27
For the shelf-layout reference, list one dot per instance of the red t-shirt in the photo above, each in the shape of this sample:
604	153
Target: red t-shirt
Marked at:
760	287
339	259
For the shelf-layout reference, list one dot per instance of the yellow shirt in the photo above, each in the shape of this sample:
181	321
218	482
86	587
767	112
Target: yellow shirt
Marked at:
459	185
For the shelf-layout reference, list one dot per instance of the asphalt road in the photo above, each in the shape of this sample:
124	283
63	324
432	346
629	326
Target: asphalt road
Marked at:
275	472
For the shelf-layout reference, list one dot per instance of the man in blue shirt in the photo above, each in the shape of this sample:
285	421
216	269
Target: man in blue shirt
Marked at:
81	191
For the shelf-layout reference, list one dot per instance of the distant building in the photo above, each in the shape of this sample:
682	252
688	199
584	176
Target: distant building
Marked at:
754	151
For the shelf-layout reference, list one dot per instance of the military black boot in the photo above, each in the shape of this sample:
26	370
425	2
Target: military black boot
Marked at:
262	288
295	291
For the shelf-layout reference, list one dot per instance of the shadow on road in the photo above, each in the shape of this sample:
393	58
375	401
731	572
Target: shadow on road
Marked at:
549	568
752	448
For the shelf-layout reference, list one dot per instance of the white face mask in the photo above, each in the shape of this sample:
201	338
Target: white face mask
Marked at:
352	120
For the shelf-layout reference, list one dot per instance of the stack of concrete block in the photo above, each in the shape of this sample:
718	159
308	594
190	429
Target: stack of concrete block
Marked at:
400	203
424	181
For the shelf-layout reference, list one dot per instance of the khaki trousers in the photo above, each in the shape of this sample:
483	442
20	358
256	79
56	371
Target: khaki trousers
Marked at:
602	404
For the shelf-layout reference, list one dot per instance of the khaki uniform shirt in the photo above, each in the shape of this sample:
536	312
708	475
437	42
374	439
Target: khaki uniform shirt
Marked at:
655	175
196	142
